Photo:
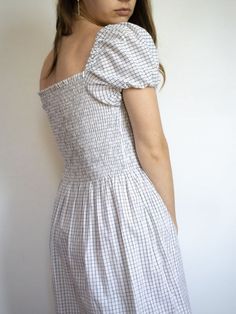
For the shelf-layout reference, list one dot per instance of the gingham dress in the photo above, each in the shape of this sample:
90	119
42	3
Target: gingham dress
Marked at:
113	245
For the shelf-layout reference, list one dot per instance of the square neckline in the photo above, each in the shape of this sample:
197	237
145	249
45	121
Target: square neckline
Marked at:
78	75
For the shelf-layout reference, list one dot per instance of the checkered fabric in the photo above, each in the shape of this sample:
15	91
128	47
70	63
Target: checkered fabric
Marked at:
113	245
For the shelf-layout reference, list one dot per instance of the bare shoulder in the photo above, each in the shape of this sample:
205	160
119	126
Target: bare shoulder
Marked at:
45	67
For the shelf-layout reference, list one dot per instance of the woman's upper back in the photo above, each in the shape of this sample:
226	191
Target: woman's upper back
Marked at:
73	55
121	55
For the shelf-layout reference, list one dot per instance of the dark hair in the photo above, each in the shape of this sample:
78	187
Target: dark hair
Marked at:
67	12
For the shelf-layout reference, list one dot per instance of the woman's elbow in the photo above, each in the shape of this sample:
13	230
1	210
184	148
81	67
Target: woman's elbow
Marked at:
157	150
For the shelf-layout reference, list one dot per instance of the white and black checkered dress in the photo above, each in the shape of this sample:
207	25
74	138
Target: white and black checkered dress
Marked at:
114	247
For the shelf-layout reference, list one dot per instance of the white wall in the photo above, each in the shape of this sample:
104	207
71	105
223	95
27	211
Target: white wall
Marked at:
197	48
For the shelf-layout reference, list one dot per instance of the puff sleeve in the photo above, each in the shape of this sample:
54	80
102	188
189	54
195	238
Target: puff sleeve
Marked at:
127	57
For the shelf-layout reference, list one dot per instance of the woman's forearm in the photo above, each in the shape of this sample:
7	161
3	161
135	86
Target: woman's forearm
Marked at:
158	169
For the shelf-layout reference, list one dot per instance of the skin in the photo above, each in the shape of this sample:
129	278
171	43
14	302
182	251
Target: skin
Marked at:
141	104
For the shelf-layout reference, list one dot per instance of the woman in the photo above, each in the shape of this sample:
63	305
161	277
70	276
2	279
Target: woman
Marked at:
114	236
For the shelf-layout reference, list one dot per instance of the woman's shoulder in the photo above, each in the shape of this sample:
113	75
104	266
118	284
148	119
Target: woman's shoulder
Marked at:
126	38
126	31
43	81
126	56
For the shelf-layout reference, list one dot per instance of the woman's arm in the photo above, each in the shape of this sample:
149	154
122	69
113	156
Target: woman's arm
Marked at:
150	142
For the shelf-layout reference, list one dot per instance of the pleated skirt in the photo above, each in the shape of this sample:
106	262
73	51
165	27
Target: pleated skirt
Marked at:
114	248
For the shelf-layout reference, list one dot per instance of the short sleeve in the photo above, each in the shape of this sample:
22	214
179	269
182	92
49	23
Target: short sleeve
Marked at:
127	57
